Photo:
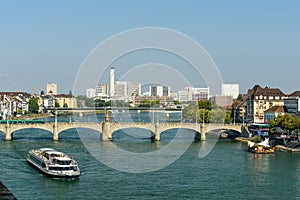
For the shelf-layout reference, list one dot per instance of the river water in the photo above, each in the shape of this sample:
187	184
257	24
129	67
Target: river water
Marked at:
227	172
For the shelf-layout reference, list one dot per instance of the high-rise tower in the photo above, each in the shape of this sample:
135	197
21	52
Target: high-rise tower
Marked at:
112	82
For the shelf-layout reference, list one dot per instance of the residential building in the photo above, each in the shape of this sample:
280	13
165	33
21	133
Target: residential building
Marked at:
13	103
292	103
240	109
120	92
261	99
159	90
230	90
63	100
124	90
200	94
185	95
222	101
193	94
101	90
51	88
134	89
166	101
274	112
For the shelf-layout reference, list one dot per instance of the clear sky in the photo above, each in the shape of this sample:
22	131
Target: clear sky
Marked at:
251	42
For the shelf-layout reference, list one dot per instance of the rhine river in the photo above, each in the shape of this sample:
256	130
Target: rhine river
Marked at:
227	172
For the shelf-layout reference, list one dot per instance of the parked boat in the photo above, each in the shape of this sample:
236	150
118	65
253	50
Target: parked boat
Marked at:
53	163
260	148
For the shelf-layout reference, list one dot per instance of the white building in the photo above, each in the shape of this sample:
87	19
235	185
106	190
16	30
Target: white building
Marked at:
159	90
134	89
193	94
200	94
101	90
185	95
231	90
120	91
90	92
124	90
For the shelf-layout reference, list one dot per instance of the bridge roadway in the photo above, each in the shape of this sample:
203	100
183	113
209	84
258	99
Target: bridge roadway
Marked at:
107	129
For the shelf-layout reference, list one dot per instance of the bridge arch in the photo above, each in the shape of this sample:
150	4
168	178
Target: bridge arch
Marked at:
80	132
78	126
12	128
193	131
16	132
135	132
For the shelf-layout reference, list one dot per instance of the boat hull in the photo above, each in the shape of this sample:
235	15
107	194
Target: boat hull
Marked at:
48	173
263	152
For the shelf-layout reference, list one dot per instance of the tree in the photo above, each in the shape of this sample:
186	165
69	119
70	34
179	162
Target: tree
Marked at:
218	116
176	102
228	118
65	105
204	114
189	112
145	103
56	104
84	101
99	103
205	104
33	106
287	122
89	102
240	97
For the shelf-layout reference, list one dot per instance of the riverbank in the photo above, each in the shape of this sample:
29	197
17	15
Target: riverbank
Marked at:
278	147
6	194
33	116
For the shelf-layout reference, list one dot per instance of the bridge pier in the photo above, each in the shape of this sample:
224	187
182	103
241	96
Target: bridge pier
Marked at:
106	132
55	132
203	132
157	132
8	133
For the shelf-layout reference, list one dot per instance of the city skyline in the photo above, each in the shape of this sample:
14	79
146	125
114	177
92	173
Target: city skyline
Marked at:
250	42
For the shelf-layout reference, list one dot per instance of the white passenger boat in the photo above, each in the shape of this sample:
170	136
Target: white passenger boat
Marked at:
53	163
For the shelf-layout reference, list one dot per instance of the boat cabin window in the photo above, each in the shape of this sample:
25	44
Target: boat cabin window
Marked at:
63	168
62	162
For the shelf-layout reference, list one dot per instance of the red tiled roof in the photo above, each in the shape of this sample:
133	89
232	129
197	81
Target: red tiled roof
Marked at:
257	90
295	94
279	109
14	94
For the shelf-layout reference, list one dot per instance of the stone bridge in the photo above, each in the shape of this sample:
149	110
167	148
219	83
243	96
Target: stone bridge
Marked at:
107	129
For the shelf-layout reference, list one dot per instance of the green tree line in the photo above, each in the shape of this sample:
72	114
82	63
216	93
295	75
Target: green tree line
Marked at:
286	122
205	111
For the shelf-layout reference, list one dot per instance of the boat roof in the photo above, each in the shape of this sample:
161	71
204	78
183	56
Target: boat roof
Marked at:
46	149
54	152
63	158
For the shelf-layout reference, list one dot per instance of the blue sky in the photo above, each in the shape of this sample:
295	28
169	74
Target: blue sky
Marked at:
251	42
